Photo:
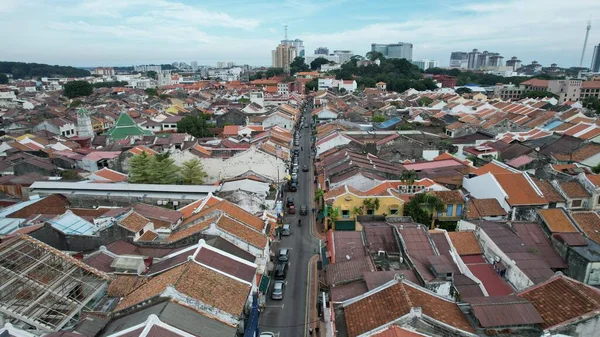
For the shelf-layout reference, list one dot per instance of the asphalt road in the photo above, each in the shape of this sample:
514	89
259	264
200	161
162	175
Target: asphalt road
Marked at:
288	317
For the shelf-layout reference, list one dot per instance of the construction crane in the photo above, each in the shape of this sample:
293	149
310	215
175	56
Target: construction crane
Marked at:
587	33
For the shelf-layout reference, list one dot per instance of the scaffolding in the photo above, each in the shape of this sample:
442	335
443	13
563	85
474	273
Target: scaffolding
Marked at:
43	289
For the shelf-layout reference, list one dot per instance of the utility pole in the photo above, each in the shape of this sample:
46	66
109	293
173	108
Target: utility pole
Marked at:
587	33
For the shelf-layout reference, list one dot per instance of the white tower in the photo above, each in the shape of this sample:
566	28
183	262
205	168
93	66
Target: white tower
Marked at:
84	124
587	33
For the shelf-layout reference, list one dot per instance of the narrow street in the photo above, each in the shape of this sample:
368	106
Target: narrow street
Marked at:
288	317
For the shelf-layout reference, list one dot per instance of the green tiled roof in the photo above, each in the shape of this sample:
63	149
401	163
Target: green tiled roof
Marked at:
126	126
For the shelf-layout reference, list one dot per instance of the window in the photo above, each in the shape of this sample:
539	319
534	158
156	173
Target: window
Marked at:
576	203
345	213
459	210
449	210
393	211
370	212
440	214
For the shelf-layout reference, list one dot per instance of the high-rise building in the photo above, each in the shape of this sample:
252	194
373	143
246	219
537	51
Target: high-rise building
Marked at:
322	51
473	59
596	59
400	50
283	55
84	124
297	43
164	78
459	59
194	65
343	55
514	62
425	64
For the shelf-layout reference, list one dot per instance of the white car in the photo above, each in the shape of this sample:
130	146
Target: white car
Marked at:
267	334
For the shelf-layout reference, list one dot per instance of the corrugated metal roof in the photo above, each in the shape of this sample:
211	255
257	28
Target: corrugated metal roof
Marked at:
500	311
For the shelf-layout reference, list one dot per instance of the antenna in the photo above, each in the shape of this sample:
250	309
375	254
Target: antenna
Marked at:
587	33
285	28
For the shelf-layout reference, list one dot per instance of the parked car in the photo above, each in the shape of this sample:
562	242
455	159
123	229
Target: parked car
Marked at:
304	168
281	271
283	255
286	230
292	209
303	210
266	334
278	289
290	201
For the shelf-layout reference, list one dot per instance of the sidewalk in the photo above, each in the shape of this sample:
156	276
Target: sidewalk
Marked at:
314	292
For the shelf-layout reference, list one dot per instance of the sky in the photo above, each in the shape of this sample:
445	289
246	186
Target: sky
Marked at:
128	32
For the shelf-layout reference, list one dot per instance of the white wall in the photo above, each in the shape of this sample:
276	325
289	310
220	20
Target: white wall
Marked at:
337	141
357	181
486	186
277	119
257	161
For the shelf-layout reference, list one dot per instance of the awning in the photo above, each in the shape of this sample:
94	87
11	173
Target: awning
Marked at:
264	284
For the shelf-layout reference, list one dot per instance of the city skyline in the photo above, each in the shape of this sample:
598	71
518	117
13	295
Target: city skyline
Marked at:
121	33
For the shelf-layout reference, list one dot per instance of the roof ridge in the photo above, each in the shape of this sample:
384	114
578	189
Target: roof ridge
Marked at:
405	294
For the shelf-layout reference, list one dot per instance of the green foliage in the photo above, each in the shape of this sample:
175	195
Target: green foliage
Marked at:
374	55
398	74
591	103
596	169
244	100
113	84
70	175
463	90
139	169
466	77
34	70
378	118
78	89
163	96
298	65
3	79
371	203
163	169
273	72
409	177
151	74
311	85
75	103
422	206
196	126
319	194
424	101
151	92
318	62
192	172
334	214
538	94
358	211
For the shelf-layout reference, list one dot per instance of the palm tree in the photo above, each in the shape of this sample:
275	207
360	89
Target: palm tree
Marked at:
371	204
319	194
357	211
423	206
409	177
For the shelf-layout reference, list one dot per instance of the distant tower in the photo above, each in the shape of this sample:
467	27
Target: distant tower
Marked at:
285	38
84	124
587	33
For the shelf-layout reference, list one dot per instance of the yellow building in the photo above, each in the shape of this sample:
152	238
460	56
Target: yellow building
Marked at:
344	203
454	205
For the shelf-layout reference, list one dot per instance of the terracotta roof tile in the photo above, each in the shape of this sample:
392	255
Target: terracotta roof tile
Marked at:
594	179
550	193
556	220
574	189
580	154
449	197
519	191
148	236
251	236
134	222
561	299
465	243
395	301
191	230
589	222
478	208
123	285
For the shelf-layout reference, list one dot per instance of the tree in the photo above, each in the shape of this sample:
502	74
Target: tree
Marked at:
374	55
357	211
596	169
334	214
196	126
273	72
538	94
3	79
151	74
424	101
34	70
422	207
78	89
111	84
409	177
319	194
163	96
298	65
139	169
463	90
151	92
163	169
378	118
192	172
371	204
318	62
591	103
311	85
71	175
75	103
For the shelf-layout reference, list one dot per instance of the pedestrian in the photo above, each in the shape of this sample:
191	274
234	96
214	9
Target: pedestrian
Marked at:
310	330
313	209
317	330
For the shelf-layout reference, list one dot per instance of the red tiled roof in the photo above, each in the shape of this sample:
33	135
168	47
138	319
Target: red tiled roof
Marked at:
519	191
562	299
